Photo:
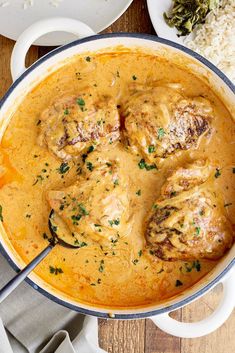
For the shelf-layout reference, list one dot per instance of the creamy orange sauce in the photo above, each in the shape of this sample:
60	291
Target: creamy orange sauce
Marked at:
130	275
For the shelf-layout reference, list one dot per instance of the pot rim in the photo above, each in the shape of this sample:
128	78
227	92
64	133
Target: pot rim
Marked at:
99	313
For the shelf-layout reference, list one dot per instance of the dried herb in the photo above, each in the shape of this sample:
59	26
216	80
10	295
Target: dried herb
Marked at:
186	14
55	270
63	168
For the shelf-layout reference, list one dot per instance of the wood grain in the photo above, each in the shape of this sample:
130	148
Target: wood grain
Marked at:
158	341
220	341
141	336
6	46
122	336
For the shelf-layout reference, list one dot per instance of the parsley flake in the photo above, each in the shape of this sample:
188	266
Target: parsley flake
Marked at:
89	166
151	149
63	168
55	270
81	103
160	133
178	283
217	173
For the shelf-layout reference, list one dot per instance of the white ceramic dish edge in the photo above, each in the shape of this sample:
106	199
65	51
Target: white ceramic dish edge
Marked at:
222	272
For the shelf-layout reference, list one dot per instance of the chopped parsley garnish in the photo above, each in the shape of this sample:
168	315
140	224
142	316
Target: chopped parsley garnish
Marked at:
135	261
66	111
143	165
134	77
81	245
118	74
217	173
89	166
88	58
138	192
197	265
81	103
114	222
83	209
160	133
55	270
76	218
101	268
90	149
28	215
151	149
63	168
178	283
1	217
189	267
198	230
173	193
38	122
140	253
116	182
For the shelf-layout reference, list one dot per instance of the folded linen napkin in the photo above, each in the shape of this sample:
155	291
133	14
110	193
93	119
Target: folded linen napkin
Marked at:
31	323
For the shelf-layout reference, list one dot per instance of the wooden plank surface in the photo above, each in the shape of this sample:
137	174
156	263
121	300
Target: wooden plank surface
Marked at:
141	336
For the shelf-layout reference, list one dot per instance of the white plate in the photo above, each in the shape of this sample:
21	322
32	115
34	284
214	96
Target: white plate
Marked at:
98	14
156	9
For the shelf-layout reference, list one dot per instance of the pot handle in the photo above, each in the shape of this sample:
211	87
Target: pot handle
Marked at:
205	326
38	29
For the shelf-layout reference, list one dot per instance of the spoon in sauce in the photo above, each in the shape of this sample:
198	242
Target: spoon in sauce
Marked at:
58	236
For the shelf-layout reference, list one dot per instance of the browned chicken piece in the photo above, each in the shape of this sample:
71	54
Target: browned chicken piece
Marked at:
192	224
72	124
160	121
96	206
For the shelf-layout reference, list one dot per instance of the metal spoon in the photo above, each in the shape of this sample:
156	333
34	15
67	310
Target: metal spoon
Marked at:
15	281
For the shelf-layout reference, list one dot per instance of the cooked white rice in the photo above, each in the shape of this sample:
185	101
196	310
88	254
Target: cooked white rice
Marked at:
215	39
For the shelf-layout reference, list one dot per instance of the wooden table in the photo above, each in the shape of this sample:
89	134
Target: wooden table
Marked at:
141	336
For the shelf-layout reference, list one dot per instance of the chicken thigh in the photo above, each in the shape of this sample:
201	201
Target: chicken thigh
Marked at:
188	221
96	206
160	121
70	125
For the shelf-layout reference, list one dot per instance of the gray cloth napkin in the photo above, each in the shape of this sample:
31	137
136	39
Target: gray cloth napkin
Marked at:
31	323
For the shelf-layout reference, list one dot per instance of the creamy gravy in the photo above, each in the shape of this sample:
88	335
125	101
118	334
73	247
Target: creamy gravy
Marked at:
120	274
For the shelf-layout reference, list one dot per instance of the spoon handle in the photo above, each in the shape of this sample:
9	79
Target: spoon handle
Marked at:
15	281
